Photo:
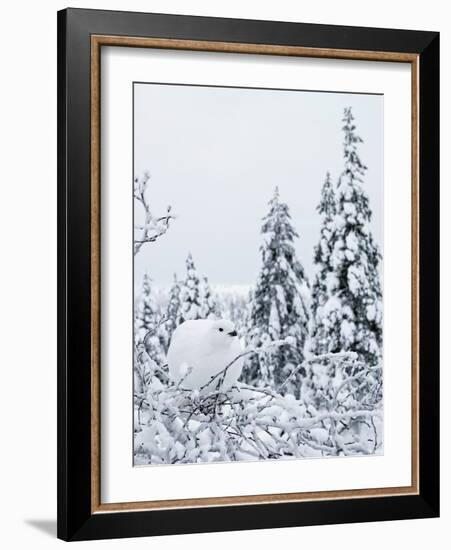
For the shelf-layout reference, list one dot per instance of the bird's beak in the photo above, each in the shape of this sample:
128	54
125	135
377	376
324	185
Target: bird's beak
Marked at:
233	333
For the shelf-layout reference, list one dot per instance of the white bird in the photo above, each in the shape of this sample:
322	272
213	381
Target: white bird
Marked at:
200	354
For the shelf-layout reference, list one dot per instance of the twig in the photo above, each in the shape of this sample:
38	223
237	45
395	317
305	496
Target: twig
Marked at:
265	349
153	228
316	359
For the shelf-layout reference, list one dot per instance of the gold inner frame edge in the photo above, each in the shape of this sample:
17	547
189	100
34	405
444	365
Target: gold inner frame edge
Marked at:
97	41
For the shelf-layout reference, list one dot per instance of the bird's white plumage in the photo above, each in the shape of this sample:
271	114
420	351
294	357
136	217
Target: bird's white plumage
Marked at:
200	350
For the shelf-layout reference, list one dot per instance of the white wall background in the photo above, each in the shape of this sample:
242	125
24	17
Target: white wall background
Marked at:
28	273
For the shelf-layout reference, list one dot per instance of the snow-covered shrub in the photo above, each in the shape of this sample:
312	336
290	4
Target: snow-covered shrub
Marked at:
333	416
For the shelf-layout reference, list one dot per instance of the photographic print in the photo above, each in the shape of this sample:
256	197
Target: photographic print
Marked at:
246	218
258	274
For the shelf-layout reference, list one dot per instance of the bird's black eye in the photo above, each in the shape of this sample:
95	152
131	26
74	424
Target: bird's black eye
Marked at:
221	330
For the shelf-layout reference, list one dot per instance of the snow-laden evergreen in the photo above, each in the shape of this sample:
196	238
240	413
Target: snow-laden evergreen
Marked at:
148	322
327	209
281	302
233	304
190	293
209	308
173	311
145	311
351	317
190	299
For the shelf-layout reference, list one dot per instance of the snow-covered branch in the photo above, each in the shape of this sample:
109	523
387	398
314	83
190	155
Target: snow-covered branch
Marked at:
324	357
248	423
267	348
153	226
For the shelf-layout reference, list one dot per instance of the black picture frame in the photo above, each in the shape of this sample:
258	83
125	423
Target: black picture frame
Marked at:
76	520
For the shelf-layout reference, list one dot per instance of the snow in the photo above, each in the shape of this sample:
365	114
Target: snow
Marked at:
349	208
352	242
347	330
256	424
371	312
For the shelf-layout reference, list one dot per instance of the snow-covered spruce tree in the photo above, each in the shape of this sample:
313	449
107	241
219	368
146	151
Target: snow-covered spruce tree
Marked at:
281	303
351	318
173	311
233	306
145	310
327	208
208	306
190	293
148	325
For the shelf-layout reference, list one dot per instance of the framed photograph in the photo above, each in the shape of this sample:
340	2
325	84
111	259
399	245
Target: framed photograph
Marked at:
248	274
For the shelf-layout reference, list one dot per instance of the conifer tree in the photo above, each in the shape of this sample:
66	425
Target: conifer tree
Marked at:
233	306
190	297
351	318
281	302
208	306
145	308
173	311
327	208
148	324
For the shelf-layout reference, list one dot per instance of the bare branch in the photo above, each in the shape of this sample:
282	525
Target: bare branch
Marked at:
153	227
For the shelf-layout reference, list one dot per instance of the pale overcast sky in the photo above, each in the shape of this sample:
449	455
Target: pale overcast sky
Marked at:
216	155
